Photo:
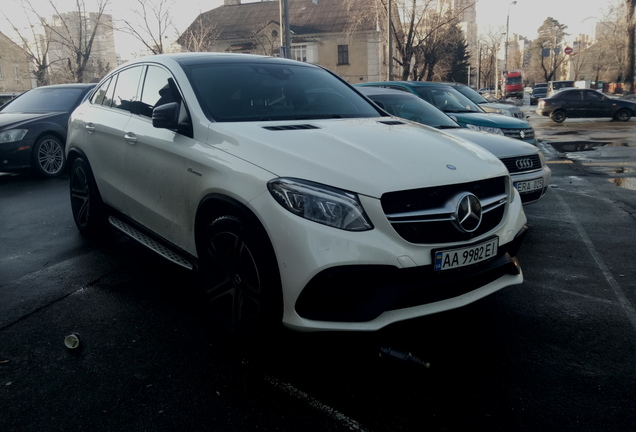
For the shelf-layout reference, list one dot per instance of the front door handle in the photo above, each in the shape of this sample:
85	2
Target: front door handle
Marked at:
131	138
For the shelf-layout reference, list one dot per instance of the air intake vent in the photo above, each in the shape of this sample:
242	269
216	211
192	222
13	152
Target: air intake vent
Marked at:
290	127
392	122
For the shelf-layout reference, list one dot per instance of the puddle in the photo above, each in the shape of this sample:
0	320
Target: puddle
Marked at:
625	182
578	146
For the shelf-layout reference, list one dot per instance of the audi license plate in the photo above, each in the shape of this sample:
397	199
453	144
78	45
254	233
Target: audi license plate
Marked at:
460	257
529	186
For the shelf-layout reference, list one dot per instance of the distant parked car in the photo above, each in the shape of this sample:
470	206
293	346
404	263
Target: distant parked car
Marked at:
33	128
555	86
488	106
584	103
466	112
528	170
539	91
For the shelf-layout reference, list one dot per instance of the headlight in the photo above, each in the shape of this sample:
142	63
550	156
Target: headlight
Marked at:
493	130
319	203
12	135
542	159
506	112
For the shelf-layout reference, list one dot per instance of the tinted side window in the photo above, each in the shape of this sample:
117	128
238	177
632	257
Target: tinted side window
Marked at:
570	96
155	91
126	88
593	96
100	93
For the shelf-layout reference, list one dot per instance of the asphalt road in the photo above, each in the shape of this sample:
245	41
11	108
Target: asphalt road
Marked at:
557	353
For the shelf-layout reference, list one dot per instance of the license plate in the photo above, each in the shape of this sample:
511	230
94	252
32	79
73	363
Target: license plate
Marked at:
460	257
529	186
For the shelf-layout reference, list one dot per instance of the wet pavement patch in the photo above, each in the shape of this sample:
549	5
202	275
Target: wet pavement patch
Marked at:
625	182
577	146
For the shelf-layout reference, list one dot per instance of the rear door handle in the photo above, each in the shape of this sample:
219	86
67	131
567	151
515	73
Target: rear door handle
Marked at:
90	127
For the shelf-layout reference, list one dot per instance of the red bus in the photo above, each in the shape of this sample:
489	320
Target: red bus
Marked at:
513	83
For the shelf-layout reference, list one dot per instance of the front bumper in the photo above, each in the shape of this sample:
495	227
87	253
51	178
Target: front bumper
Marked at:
358	294
15	155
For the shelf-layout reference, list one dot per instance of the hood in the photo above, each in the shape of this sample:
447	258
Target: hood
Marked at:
499	106
366	156
16	119
501	146
490	120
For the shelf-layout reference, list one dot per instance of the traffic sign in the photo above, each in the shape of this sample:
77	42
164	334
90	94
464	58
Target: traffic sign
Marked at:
568	50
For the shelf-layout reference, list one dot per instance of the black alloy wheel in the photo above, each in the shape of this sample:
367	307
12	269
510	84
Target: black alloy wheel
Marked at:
48	156
623	115
240	276
86	204
558	116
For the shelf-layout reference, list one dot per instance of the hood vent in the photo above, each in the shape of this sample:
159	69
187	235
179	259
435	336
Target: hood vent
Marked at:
392	122
290	127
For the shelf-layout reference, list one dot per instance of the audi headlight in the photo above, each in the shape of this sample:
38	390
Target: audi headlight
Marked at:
492	130
12	135
319	203
542	159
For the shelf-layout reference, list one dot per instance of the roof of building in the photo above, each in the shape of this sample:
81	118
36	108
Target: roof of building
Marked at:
242	21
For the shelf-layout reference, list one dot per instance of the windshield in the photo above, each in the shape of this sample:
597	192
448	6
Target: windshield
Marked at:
45	99
265	91
448	100
471	94
413	108
513	80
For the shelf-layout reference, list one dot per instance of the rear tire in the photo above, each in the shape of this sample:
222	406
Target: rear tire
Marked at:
558	116
86	203
241	283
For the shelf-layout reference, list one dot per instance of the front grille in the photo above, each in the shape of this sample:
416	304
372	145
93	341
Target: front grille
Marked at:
528	133
521	164
427	215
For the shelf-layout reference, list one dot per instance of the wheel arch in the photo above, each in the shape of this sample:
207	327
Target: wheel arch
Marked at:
217	205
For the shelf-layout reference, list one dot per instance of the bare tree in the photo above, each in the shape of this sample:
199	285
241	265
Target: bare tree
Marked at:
151	24
35	47
72	35
548	46
199	36
631	46
489	46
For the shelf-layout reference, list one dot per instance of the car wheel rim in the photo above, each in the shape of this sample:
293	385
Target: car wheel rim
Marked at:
235	293
80	196
50	156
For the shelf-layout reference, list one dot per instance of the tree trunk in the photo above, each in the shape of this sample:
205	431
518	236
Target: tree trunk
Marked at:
631	47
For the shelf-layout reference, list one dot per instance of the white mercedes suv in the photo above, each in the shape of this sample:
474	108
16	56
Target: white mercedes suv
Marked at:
297	199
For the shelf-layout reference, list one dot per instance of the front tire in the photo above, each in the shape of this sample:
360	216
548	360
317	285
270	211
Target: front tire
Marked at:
48	157
240	276
623	115
86	203
558	116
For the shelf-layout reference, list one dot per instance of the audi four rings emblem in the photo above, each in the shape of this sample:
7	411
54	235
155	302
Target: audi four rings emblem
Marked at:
524	164
468	212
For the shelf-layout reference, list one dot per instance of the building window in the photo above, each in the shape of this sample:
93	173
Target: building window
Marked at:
343	54
299	52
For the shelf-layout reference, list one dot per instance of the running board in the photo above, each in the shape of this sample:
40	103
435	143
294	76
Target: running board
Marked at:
150	243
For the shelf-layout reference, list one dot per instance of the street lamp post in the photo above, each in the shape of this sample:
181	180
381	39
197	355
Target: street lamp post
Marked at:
507	30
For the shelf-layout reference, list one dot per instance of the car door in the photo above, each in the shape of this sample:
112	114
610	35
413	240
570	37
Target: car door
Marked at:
105	118
573	104
597	105
157	166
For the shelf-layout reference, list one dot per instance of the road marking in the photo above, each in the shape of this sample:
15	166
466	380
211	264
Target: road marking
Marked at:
301	395
618	291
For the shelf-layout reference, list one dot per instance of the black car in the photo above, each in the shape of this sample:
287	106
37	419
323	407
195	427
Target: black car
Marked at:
33	128
583	103
539	91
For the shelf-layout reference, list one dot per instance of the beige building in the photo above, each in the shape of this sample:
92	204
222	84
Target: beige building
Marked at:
340	35
70	31
15	75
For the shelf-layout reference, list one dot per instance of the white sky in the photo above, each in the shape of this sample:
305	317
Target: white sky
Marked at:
525	17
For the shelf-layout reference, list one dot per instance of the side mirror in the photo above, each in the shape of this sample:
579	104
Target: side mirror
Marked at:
166	116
